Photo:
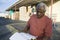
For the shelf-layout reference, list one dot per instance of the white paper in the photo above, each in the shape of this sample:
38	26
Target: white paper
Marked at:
22	36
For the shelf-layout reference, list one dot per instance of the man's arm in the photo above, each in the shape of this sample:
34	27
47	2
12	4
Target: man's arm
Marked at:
26	29
27	26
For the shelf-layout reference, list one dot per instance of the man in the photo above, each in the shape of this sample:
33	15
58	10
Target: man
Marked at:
40	25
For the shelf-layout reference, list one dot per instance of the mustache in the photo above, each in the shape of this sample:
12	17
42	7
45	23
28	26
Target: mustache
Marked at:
40	10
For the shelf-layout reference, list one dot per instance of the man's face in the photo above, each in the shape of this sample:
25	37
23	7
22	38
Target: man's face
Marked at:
40	12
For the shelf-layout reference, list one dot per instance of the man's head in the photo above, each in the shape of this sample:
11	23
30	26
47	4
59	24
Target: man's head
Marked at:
40	8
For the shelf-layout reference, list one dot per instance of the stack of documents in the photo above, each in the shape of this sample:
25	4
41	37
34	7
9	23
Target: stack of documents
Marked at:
22	36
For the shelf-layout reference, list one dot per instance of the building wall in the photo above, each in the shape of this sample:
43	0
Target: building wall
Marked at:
15	15
24	14
55	11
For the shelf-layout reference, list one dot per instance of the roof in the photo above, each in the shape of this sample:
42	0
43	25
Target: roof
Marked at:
26	3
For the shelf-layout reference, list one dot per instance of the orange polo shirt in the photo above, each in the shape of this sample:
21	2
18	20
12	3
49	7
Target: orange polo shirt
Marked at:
40	27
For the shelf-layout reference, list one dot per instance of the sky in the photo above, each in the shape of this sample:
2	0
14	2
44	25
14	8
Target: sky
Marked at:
4	4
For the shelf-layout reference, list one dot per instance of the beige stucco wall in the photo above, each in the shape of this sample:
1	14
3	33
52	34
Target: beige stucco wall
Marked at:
24	15
55	11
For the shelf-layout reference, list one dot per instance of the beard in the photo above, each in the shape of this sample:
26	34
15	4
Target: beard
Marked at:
40	15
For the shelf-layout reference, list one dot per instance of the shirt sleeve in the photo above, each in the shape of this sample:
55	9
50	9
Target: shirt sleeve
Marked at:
48	29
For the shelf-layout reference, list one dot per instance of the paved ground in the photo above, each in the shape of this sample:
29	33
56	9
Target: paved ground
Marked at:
8	27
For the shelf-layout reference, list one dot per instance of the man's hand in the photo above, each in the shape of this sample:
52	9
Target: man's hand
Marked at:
26	29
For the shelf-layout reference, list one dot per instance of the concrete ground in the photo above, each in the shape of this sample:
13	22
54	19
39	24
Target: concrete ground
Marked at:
8	27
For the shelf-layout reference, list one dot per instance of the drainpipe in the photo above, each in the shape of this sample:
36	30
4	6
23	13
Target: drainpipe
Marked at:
51	8
54	20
